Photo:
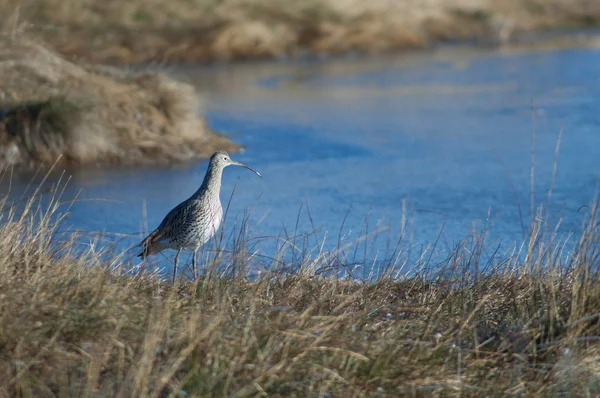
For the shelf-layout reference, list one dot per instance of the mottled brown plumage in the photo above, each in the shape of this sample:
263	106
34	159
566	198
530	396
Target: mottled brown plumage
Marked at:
194	221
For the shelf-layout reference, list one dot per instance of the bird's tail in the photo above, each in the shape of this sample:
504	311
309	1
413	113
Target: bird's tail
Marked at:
148	245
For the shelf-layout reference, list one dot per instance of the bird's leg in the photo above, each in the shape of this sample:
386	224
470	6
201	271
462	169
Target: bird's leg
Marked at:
175	265
194	263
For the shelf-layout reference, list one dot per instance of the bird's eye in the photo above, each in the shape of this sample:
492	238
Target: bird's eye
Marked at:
224	158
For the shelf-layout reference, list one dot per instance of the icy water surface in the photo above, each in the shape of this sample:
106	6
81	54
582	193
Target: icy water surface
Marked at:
439	143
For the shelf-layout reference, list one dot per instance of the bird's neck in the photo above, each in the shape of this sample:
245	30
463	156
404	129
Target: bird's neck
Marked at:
211	183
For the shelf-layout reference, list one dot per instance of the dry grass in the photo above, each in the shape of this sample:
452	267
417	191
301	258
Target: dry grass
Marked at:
72	325
200	30
93	115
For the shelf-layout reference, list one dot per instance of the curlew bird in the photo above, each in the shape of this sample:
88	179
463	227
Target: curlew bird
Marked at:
194	221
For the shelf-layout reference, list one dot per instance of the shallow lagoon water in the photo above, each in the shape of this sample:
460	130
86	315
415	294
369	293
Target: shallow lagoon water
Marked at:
430	147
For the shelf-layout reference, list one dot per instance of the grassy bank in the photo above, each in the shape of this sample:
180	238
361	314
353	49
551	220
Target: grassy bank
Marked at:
204	30
72	325
93	115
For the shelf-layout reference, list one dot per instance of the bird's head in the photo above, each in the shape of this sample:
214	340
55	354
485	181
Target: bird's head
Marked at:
221	159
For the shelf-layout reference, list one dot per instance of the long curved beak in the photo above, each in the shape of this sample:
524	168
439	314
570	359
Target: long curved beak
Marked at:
246	166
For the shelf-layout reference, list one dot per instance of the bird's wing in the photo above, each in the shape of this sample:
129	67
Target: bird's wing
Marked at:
175	220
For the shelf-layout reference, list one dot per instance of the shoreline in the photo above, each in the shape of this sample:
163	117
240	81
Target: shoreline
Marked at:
61	115
538	41
543	39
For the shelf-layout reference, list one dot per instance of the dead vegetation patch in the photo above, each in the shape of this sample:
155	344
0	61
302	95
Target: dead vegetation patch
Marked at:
139	31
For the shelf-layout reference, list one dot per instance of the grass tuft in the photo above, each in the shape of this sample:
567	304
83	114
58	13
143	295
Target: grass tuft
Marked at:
92	115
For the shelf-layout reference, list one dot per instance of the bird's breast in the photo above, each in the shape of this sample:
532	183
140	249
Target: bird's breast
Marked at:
208	223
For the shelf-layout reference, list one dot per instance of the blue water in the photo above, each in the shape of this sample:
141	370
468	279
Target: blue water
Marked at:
429	147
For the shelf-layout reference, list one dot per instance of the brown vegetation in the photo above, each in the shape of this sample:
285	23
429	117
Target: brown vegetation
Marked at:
205	30
93	115
72	325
